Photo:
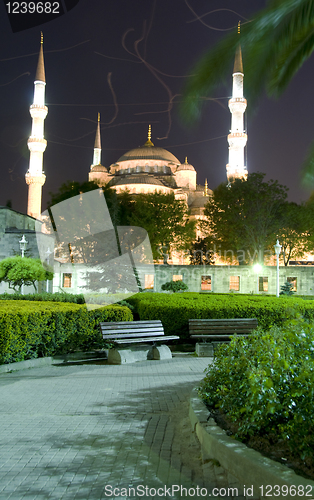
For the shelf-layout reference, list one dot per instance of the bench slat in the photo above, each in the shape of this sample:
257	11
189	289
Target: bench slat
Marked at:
217	337
143	333
221	329
148	339
135	332
113	325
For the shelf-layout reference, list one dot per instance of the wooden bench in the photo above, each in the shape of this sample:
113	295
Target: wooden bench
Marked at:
219	330
136	335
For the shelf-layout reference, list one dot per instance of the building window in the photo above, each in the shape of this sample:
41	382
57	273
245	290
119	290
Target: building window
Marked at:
177	277
234	284
149	281
293	281
206	283
67	280
263	284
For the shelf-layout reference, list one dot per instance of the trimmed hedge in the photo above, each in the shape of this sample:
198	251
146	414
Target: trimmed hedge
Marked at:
45	296
30	330
174	310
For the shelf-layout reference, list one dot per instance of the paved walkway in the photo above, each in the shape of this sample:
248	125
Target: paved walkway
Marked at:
77	431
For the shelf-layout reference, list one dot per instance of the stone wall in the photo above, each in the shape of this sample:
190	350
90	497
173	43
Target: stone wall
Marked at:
207	279
224	279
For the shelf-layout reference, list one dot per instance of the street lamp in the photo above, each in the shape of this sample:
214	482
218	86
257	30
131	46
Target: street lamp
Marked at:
23	244
48	253
277	248
257	268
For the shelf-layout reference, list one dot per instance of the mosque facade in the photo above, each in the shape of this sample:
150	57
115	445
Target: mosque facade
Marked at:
148	169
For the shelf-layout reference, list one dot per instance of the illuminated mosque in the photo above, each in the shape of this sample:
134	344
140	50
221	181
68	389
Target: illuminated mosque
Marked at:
145	169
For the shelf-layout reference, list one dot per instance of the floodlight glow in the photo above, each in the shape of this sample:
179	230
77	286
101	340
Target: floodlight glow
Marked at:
257	268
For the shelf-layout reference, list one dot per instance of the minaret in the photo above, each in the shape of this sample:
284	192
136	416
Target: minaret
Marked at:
97	146
237	138
35	177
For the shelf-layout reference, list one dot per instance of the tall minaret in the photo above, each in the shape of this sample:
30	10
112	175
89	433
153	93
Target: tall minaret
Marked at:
97	145
237	138
35	177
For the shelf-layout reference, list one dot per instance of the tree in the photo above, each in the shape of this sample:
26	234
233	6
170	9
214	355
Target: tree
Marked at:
275	44
175	286
294	232
166	221
244	218
18	271
201	252
286	289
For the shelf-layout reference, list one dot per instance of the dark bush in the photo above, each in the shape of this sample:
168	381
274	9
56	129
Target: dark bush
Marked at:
175	286
265	383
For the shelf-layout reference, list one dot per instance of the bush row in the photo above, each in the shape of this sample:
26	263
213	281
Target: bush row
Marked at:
69	297
174	310
45	297
30	330
266	385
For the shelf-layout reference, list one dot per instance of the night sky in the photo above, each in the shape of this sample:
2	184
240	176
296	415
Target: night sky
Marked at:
91	66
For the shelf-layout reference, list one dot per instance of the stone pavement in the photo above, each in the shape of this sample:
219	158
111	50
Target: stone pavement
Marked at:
79	430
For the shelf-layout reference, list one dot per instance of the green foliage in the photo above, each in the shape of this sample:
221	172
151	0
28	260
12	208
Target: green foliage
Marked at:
31	329
245	217
166	221
18	271
175	310
286	289
46	297
163	217
201	251
265	383
175	286
295	231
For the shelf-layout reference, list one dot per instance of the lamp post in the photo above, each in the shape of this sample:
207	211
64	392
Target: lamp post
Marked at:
257	268
23	244
277	248
48	253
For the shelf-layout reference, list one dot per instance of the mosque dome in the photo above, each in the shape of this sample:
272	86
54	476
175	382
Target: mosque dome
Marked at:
149	152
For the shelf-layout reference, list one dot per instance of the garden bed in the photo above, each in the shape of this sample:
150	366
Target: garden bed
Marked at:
269	446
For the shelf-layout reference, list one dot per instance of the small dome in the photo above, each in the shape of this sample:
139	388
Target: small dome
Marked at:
185	166
99	168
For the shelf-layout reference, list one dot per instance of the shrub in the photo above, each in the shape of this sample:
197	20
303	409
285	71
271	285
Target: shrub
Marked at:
265	383
174	286
286	289
175	310
30	330
46	297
